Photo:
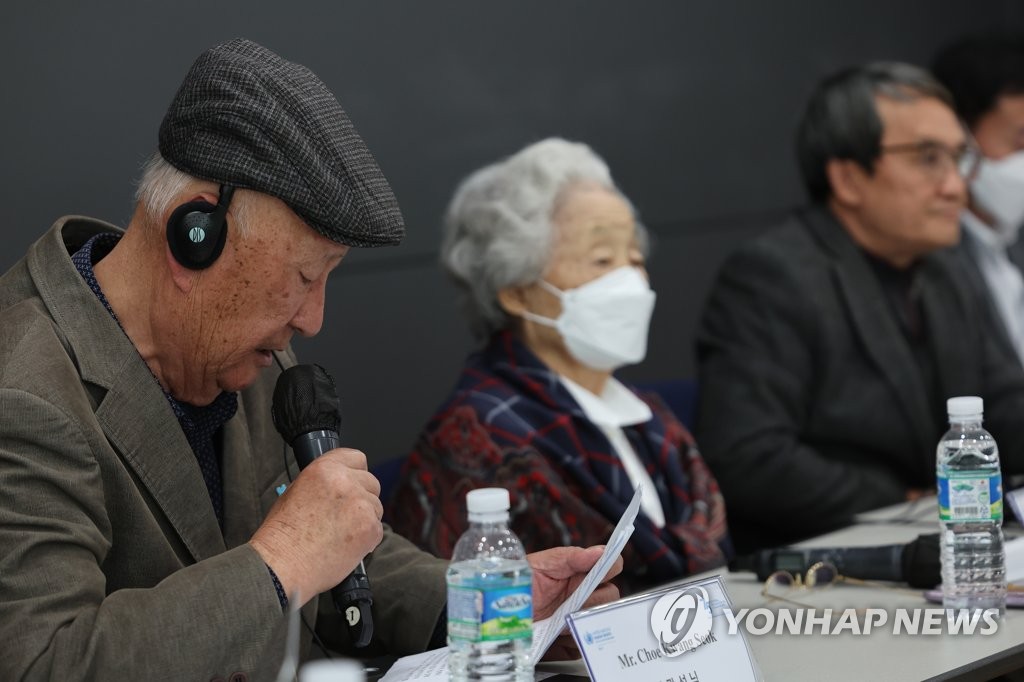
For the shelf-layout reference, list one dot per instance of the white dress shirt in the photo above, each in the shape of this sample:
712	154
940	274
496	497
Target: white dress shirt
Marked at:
616	407
1004	279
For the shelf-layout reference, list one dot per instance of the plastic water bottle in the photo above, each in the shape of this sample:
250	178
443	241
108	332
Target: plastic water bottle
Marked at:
970	511
490	596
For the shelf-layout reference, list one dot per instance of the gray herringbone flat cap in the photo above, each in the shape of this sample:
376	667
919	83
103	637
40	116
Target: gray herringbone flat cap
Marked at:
246	117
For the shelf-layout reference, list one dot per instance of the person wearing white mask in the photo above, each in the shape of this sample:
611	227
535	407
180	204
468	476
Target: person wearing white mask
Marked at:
985	75
830	342
548	257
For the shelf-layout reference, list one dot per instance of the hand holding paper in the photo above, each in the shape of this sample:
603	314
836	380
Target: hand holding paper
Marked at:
545	632
556	580
574	560
560	571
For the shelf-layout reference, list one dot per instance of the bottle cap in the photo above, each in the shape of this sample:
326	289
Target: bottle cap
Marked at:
965	406
333	670
487	501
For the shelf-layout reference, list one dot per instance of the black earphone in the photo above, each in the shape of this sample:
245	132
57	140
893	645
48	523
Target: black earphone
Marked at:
196	231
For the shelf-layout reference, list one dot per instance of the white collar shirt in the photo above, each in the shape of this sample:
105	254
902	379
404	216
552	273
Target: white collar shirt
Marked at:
1003	278
615	408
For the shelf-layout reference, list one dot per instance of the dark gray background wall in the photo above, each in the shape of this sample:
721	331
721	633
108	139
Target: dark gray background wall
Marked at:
693	104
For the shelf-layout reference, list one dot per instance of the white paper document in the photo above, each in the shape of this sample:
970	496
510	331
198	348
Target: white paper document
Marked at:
547	631
432	666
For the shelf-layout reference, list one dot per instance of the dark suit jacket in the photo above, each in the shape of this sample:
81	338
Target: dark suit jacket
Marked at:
112	565
812	407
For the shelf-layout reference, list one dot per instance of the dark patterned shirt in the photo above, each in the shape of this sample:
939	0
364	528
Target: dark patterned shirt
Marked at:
201	425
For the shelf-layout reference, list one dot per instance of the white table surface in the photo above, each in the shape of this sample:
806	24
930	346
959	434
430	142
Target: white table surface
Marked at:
880	655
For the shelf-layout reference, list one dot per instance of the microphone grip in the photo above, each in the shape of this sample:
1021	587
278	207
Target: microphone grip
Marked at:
309	446
352	596
867	563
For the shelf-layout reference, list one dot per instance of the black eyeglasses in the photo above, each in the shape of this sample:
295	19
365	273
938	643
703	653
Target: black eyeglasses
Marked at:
936	159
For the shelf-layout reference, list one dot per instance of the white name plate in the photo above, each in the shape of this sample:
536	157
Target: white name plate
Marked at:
674	634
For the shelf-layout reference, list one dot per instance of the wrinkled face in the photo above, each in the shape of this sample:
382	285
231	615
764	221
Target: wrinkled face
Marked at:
264	288
1000	132
595	233
912	201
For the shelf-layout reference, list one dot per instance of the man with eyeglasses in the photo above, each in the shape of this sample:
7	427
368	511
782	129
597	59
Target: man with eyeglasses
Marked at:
985	75
829	345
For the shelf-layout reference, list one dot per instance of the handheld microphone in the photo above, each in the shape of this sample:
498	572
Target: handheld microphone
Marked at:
307	414
916	563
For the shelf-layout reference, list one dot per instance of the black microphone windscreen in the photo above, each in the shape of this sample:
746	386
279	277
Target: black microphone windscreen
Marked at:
922	565
305	400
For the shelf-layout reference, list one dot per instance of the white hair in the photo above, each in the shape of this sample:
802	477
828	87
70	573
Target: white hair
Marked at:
498	226
162	185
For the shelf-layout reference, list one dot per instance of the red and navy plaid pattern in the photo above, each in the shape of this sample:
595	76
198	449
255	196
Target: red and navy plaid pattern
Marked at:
512	423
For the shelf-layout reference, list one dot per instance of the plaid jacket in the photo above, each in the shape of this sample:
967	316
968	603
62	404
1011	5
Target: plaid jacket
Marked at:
511	423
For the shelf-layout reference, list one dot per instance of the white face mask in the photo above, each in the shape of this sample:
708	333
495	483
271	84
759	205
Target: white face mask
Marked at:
604	323
999	190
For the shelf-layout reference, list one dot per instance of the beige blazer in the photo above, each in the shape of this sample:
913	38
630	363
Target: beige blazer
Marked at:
112	565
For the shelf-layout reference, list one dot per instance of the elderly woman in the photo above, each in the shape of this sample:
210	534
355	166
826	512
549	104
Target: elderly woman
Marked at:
549	260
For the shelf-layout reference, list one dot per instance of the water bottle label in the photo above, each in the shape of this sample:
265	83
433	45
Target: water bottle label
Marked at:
970	497
490	615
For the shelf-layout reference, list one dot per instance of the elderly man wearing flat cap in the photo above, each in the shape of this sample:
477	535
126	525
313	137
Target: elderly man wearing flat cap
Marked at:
143	533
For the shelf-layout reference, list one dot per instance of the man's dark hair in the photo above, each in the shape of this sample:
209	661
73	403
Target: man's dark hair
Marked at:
841	121
978	70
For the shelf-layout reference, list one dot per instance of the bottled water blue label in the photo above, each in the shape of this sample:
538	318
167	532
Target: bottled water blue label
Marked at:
970	496
490	615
